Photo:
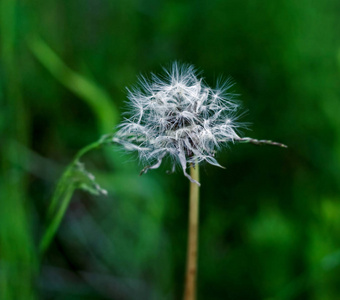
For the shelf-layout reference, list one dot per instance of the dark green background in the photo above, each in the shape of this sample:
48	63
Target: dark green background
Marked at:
270	221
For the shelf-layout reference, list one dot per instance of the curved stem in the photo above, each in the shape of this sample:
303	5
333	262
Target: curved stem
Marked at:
62	197
62	184
55	223
192	251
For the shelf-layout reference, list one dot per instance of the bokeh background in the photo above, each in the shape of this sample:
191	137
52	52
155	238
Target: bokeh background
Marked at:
270	222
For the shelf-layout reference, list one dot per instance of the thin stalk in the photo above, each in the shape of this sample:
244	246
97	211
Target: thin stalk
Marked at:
54	225
62	196
64	180
192	251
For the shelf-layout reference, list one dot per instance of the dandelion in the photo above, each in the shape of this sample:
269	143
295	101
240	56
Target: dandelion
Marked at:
177	115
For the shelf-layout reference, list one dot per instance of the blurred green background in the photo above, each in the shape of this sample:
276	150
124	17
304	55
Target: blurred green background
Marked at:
270	222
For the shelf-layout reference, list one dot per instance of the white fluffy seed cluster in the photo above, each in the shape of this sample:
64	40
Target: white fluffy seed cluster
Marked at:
177	115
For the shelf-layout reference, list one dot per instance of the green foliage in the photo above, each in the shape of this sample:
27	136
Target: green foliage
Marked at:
269	221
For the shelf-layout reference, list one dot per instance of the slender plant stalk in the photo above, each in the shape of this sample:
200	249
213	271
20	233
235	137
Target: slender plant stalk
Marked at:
55	223
192	251
62	197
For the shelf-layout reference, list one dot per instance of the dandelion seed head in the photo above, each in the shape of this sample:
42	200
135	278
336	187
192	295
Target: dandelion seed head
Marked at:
177	115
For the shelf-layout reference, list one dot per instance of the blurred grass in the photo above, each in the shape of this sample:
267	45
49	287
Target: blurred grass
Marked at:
106	114
269	222
18	261
85	89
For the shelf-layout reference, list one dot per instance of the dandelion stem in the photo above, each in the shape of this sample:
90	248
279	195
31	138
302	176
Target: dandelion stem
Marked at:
192	251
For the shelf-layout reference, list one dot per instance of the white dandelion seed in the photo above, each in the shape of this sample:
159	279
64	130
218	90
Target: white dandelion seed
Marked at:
178	116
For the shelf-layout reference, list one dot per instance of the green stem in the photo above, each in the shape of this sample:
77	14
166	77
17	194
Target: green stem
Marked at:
192	251
64	180
62	197
55	223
